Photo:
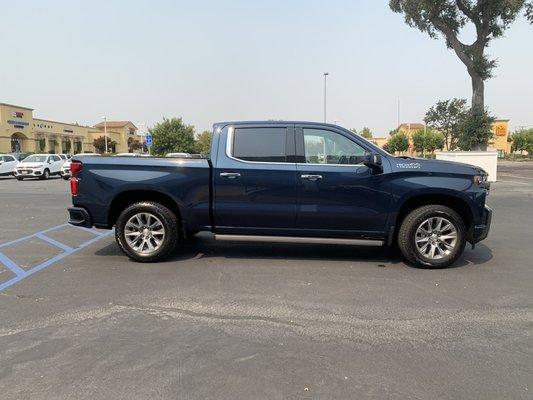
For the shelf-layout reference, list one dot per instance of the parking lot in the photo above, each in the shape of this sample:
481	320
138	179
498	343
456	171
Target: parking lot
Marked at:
261	321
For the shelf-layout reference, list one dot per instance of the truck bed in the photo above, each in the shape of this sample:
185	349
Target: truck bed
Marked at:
107	180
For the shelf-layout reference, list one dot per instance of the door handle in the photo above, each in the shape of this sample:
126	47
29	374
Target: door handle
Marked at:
230	175
311	177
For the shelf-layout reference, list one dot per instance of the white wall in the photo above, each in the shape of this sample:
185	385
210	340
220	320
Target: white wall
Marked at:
488	160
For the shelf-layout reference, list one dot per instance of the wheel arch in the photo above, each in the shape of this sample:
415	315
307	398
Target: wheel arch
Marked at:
453	201
128	197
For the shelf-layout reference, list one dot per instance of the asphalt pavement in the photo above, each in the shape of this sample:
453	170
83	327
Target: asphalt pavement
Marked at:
261	321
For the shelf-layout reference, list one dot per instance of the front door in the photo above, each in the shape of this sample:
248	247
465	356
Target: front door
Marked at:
337	195
254	180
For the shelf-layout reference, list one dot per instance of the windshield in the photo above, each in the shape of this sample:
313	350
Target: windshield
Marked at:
35	159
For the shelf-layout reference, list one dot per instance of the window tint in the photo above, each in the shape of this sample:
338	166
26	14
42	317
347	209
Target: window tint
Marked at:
260	144
56	158
327	147
9	158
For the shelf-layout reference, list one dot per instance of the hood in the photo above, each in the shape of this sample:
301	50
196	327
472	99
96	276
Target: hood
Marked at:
30	164
424	164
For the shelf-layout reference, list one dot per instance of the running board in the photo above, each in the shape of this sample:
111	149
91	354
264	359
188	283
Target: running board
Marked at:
299	239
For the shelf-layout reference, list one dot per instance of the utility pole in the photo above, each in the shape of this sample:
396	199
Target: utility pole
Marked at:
105	132
398	113
325	94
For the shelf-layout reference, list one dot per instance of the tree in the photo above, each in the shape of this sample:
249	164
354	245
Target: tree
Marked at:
490	19
135	144
427	140
399	142
366	133
474	128
203	142
354	131
99	144
172	136
445	117
523	141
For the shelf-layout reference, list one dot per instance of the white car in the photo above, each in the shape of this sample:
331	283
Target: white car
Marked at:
40	166
65	168
8	164
178	155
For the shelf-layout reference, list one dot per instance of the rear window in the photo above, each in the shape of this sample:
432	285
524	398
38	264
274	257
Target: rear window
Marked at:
260	144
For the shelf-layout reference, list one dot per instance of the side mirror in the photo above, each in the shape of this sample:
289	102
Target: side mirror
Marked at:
373	161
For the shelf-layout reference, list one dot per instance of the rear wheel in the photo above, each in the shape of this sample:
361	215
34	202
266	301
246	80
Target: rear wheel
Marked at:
66	178
147	231
432	236
20	178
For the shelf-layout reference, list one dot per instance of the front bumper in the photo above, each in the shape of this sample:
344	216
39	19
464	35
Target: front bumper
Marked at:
481	231
27	172
79	217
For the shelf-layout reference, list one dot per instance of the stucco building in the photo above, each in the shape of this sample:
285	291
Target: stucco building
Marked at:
21	132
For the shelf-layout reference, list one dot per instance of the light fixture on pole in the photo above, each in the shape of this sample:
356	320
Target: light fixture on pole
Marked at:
105	132
325	94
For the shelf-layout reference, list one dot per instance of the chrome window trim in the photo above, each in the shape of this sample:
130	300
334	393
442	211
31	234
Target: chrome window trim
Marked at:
229	153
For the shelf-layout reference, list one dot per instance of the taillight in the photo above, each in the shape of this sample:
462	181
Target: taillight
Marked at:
75	167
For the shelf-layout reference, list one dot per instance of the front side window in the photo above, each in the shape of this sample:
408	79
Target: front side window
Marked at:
260	144
327	147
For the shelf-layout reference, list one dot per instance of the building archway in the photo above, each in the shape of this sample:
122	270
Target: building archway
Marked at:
18	141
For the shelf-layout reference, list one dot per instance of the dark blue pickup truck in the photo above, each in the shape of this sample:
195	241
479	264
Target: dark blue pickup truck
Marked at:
285	182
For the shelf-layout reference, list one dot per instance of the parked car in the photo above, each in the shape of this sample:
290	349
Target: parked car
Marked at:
178	155
64	157
128	155
285	182
65	168
41	166
7	164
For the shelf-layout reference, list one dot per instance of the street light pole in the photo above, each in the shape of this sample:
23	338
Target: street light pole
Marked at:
325	94
105	133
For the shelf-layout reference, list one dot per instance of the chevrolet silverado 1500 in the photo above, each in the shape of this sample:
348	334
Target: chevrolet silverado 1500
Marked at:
285	182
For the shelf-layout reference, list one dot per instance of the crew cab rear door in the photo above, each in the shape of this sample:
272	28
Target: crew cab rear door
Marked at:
255	179
337	195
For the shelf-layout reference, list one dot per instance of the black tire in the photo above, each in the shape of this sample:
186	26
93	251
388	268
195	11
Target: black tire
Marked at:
407	236
20	178
45	175
168	219
66	178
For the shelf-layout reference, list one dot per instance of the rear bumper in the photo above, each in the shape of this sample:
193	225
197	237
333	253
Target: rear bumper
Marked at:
79	217
481	231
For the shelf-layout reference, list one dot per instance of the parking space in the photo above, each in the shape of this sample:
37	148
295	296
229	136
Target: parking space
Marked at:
235	320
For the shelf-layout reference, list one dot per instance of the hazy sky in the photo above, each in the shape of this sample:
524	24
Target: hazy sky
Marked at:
209	61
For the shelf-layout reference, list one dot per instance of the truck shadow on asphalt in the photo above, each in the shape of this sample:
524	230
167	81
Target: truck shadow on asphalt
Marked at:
203	246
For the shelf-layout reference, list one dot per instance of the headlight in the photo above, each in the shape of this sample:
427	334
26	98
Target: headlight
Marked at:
38	166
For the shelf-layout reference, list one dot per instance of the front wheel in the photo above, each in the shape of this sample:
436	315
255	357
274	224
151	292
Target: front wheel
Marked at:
20	178
45	175
432	236
147	231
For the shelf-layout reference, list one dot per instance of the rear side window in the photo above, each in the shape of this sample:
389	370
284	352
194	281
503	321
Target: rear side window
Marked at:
260	144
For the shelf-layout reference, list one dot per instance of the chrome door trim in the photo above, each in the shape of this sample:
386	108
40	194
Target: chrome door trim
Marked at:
298	239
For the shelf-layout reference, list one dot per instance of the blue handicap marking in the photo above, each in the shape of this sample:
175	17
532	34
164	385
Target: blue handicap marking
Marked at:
20	273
